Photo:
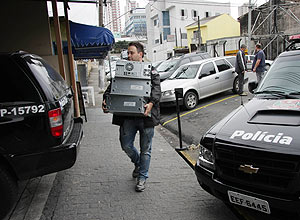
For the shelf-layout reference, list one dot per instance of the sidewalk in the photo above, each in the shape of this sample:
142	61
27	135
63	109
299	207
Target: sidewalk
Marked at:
100	185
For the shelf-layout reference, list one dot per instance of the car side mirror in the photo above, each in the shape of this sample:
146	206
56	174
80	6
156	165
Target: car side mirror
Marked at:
252	86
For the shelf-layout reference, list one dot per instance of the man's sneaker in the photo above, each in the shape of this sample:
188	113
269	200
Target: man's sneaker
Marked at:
244	94
140	185
135	172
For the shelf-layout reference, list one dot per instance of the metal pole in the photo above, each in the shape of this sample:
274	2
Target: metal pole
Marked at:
180	37
178	118
199	35
249	27
176	37
101	14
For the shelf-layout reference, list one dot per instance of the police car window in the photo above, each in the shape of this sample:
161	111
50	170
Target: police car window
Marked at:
222	65
15	86
208	69
43	71
231	60
283	76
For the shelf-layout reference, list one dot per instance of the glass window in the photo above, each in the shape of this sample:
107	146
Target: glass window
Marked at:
208	69
15	86
44	72
183	35
186	72
167	65
182	12
222	65
166	32
184	61
283	75
166	18
231	60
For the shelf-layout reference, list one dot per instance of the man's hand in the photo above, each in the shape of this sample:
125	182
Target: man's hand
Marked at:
104	108
148	108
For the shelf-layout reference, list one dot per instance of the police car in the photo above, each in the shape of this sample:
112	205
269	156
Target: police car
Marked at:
38	132
251	158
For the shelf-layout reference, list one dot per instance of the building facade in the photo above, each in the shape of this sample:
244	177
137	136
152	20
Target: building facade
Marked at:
112	19
211	28
136	24
166	22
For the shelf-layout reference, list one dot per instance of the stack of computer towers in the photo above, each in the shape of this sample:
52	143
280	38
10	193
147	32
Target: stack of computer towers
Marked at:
129	88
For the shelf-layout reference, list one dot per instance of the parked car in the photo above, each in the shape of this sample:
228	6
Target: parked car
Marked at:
168	67
251	158
250	59
199	80
157	63
38	132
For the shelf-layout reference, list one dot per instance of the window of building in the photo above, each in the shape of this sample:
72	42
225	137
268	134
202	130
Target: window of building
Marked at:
156	41
182	12
207	14
166	32
183	35
166	18
194	13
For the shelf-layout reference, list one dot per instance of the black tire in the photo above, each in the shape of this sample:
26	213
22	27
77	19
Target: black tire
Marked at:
8	192
236	86
190	100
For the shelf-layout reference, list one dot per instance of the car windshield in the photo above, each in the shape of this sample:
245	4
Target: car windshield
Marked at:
186	72
283	77
167	65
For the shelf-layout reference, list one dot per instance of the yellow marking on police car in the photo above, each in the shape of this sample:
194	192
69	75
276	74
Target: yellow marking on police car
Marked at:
189	112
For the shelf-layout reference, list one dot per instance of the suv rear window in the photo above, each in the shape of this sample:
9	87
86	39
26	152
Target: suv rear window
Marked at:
44	72
15	86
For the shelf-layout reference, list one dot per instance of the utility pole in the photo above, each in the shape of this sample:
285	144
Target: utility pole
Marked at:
101	68
101	14
199	35
249	27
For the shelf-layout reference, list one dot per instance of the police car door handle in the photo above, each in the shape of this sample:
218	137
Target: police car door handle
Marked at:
217	77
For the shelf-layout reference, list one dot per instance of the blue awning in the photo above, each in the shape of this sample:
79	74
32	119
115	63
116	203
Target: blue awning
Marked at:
90	42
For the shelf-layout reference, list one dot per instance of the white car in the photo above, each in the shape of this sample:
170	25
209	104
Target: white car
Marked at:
199	80
250	59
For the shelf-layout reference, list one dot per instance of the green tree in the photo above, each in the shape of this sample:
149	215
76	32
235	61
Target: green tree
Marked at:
120	45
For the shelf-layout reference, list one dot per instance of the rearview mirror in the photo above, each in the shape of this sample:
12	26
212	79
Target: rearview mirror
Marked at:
252	86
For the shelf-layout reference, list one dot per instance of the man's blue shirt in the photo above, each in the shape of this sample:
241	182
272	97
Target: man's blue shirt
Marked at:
260	56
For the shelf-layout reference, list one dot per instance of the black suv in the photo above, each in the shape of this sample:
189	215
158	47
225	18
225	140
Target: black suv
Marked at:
251	158
168	67
38	132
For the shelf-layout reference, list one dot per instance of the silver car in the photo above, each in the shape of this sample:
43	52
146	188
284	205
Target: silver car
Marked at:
199	80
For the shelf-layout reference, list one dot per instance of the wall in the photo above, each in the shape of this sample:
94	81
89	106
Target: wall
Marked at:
25	27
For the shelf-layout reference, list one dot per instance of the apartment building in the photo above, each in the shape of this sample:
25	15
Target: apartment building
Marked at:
111	16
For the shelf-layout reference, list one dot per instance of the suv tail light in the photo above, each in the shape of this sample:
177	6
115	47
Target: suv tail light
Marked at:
56	123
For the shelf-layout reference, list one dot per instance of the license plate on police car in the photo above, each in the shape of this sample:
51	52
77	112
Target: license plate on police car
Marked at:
249	202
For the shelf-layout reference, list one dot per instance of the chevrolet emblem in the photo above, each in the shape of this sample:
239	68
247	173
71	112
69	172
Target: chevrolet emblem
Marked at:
248	169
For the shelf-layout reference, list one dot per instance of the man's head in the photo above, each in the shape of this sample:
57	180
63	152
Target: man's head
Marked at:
243	47
258	47
135	51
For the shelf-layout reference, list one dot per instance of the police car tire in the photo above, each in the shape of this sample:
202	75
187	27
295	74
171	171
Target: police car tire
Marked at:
235	88
8	192
185	100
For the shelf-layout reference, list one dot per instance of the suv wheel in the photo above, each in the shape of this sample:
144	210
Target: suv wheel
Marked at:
190	100
8	192
235	87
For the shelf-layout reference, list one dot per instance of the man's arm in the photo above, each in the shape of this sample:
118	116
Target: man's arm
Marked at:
155	92
105	94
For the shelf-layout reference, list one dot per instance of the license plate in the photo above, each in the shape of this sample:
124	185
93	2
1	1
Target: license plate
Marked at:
249	202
